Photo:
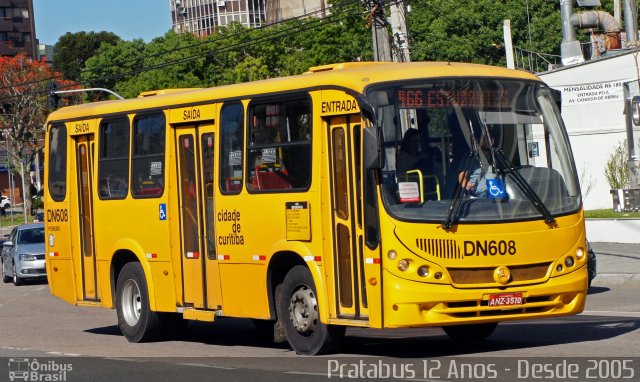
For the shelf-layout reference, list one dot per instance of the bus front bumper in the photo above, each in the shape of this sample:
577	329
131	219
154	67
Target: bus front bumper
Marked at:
413	304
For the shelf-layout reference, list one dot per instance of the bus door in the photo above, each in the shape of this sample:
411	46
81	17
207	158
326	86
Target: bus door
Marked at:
195	167
345	134
84	157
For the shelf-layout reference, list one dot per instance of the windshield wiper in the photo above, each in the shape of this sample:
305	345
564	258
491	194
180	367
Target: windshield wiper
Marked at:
506	167
456	202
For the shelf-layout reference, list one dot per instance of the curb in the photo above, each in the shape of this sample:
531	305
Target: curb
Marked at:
618	254
616	278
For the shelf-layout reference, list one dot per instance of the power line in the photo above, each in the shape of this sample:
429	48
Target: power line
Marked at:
344	4
297	28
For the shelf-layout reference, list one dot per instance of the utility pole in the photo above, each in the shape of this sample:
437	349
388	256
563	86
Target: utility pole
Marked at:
617	10
379	33
508	43
400	41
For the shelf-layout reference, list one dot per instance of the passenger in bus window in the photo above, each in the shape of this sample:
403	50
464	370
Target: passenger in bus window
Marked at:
473	179
410	156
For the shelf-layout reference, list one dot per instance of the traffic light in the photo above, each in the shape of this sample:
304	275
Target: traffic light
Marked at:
52	97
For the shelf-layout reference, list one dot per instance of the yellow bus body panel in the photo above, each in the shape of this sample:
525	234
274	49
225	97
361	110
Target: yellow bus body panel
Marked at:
246	248
539	249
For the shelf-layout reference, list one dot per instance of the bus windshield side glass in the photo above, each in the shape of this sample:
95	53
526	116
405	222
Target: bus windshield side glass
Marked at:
474	140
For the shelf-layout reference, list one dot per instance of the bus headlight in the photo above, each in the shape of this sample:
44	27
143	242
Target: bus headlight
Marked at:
569	261
403	265
580	253
392	255
423	271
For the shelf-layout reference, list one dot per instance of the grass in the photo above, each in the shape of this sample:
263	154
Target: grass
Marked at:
610	214
18	218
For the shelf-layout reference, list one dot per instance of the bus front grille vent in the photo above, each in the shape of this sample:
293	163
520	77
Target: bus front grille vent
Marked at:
519	273
441	248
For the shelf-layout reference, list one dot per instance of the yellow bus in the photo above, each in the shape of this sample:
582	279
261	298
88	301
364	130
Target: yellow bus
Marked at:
380	195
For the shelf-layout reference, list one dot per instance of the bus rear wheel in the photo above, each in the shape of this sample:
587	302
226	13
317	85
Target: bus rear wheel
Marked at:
135	319
298	311
474	332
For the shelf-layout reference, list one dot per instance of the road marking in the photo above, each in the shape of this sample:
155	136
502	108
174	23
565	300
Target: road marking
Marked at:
209	366
14	348
124	359
613	313
305	373
41	288
64	354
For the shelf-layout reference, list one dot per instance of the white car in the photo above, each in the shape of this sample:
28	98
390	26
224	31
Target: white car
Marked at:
5	202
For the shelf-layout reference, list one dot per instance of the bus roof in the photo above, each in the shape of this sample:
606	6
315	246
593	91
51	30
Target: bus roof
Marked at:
355	76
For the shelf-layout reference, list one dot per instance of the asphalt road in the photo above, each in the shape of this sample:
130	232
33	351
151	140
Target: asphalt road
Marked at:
35	325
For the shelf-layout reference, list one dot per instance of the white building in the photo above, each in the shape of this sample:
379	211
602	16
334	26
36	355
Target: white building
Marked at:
203	17
593	109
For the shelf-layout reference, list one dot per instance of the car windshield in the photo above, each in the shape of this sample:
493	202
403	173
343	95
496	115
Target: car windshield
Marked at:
474	150
31	236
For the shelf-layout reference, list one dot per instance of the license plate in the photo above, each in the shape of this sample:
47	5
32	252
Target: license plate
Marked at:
505	299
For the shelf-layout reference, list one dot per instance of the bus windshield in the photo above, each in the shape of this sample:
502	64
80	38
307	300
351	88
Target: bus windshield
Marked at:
482	150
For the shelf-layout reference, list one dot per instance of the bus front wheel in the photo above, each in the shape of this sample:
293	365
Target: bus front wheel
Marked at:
136	321
298	311
473	332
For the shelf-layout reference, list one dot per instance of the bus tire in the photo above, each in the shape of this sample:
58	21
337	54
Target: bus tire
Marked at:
136	321
473	332
299	313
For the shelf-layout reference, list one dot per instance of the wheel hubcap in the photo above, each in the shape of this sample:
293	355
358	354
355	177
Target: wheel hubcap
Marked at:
303	310
131	302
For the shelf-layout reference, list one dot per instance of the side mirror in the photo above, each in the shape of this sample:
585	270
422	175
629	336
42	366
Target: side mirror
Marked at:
8	244
372	149
635	110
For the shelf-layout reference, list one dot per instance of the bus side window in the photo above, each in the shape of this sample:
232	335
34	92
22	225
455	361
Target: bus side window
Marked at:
279	144
113	162
147	161
58	162
231	139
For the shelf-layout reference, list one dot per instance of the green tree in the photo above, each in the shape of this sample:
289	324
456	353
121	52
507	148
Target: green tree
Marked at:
23	110
185	53
233	54
107	68
444	30
448	30
73	49
616	171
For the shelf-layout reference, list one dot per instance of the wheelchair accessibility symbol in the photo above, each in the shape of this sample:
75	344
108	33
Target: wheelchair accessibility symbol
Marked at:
163	211
495	189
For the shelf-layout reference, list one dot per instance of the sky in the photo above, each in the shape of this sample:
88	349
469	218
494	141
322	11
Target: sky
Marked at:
129	19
